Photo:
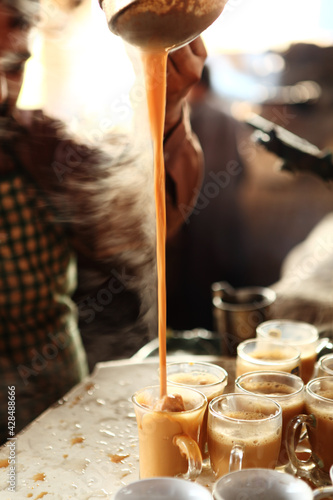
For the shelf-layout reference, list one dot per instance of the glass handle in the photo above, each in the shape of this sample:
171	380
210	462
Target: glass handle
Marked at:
190	449
293	433
236	458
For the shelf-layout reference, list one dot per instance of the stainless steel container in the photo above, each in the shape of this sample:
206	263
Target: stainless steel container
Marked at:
238	312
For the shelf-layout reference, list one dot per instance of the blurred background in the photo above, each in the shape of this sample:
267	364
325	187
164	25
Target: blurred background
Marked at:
76	56
273	59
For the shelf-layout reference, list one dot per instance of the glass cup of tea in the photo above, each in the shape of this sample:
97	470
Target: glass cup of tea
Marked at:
318	419
208	378
325	366
170	431
260	484
299	334
258	354
285	388
244	431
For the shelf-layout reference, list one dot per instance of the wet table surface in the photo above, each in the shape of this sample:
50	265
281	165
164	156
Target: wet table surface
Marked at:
86	446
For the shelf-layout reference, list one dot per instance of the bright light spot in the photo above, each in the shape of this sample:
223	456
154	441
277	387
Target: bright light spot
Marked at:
89	76
258	25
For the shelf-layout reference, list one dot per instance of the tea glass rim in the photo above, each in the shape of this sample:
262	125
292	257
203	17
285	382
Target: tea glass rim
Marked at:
314	331
326	368
165	480
157	387
265	362
268	296
200	363
316	381
267	418
263	473
276	374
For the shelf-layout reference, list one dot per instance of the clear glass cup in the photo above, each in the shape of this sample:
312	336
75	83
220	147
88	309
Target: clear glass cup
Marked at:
244	431
208	378
285	388
258	354
170	435
325	366
318	419
299	334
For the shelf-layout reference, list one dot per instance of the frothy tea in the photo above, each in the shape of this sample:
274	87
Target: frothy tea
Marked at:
261	447
290	405
194	378
267	359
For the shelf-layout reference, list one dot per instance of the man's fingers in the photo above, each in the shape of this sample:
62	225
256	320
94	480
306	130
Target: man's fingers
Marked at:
187	59
198	48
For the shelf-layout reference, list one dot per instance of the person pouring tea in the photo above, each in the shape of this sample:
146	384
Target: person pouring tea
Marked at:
60	199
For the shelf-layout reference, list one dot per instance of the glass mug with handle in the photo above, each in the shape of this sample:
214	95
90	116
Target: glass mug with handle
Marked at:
285	388
170	431
244	431
318	420
259	354
304	336
260	484
325	366
208	378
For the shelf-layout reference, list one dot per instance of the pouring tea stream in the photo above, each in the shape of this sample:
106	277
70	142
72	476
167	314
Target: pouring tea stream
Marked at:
157	27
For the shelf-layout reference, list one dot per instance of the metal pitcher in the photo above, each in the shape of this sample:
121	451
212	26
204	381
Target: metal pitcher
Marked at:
238	312
160	24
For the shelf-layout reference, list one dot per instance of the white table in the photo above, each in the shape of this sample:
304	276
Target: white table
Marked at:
86	446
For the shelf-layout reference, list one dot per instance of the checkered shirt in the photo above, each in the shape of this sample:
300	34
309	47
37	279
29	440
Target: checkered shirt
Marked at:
38	320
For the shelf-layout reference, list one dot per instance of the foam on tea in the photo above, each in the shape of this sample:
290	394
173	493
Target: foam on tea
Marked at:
269	355
261	446
194	378
268	387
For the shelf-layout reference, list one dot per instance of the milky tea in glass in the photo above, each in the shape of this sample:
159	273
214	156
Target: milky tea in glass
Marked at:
208	378
244	431
169	435
299	334
285	388
257	354
325	366
319	424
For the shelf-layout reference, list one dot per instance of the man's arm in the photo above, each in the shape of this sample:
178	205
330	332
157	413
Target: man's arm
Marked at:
182	151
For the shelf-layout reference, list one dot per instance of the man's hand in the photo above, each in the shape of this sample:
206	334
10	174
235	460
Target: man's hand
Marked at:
184	69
